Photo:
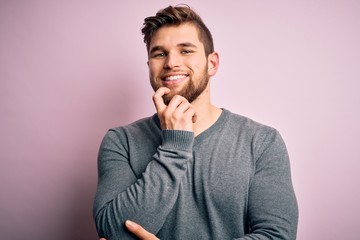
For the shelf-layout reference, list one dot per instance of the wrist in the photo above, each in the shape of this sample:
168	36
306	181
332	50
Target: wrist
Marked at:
178	139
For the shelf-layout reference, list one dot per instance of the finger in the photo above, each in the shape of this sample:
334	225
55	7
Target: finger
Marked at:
183	107
139	231
158	100
179	104
190	114
176	101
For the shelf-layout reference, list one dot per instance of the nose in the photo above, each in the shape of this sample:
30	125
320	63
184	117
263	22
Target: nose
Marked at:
172	60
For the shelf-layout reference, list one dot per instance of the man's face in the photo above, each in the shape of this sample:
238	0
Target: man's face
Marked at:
177	61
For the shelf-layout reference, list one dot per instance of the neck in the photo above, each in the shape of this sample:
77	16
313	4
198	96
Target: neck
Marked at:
207	114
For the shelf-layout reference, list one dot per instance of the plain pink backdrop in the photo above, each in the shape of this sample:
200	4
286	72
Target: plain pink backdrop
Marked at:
69	70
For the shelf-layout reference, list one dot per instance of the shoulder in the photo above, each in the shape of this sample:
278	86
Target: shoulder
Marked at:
258	134
263	140
136	130
242	123
143	124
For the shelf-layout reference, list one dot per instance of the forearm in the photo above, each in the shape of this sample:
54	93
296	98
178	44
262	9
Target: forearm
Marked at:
150	198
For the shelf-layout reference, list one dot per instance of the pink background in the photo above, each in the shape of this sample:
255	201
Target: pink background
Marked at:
69	70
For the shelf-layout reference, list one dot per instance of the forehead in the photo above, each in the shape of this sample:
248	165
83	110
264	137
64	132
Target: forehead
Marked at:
172	35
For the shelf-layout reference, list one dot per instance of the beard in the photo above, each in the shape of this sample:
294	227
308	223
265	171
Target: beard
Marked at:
190	91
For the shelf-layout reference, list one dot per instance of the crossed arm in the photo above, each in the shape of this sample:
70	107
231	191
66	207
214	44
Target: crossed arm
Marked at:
116	201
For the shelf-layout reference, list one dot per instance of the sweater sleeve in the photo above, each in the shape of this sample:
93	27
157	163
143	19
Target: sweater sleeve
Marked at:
148	200
272	205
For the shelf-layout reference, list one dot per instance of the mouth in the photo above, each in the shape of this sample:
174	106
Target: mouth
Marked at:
175	77
174	80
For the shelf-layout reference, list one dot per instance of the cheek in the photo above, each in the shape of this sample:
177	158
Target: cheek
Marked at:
151	72
197	63
154	68
195	67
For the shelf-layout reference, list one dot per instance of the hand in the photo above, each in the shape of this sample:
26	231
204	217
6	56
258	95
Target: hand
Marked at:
178	115
139	231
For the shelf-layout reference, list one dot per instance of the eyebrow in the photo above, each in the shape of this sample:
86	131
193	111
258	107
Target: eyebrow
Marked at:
156	48
187	44
160	48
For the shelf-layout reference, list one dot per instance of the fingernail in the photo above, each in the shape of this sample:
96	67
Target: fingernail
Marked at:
130	224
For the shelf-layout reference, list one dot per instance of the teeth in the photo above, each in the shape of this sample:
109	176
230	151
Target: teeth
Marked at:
175	77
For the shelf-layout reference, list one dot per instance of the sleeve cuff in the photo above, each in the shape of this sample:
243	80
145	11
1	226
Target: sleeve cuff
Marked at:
177	139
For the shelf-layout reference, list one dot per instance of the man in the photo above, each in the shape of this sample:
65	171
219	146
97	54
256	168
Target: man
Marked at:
192	170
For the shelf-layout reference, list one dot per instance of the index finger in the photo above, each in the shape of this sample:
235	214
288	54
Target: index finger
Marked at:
158	100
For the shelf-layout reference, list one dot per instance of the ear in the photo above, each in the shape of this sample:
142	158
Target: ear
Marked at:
213	63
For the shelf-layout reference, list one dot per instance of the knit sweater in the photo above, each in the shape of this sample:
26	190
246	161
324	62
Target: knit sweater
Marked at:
232	181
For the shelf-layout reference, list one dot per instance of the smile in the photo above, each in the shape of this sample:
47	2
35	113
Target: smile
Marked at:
175	77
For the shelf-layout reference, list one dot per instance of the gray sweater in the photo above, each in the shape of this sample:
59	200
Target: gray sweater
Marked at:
230	182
